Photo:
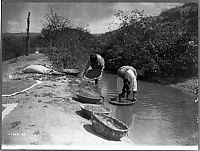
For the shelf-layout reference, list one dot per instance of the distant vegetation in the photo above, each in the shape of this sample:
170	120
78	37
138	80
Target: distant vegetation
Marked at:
156	46
14	44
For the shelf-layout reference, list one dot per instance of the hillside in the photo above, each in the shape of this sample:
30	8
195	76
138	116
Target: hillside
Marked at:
156	46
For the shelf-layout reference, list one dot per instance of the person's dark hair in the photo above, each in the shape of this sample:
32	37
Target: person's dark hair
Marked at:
120	73
93	57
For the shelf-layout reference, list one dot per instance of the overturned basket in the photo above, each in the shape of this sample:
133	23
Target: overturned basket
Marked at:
88	109
109	127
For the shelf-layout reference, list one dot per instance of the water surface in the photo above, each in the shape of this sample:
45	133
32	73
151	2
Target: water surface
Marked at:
161	116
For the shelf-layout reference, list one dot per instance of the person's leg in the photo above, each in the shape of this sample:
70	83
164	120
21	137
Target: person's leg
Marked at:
134	95
96	81
127	89
128	93
119	96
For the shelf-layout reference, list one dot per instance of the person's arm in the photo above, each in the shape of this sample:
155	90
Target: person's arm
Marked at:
87	66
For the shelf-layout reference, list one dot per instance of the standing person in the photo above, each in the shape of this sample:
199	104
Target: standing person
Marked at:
96	62
126	81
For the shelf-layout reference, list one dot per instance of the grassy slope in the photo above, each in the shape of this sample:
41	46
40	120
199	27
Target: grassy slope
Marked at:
188	86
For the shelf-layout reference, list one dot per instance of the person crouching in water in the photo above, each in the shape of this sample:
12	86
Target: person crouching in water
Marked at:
126	81
96	61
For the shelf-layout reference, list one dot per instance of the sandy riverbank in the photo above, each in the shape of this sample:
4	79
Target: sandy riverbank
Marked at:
48	114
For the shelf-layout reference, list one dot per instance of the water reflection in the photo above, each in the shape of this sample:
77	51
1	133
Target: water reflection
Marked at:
108	85
126	114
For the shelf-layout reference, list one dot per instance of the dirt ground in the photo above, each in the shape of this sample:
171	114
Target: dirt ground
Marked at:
49	114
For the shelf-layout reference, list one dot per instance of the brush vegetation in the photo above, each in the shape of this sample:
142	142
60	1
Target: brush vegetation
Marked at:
156	46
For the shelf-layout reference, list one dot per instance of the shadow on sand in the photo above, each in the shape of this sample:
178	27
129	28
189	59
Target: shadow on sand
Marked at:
76	99
89	128
81	113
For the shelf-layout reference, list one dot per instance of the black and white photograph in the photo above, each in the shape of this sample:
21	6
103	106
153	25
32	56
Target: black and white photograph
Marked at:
99	75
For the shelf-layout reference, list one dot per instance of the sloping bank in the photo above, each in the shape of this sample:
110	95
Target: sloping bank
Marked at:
49	115
189	86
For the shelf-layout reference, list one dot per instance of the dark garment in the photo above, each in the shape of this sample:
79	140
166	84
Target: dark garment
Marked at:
126	88
95	65
96	81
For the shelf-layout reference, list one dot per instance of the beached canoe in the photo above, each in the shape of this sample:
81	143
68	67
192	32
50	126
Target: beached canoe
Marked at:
109	127
88	109
122	102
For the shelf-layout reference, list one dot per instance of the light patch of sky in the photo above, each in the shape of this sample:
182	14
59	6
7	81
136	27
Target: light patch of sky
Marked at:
15	26
102	26
96	15
38	11
152	9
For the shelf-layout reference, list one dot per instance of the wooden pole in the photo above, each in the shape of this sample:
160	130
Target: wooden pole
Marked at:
27	36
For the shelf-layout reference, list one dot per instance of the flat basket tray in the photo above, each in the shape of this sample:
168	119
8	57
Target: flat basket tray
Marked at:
88	109
92	74
109	127
122	102
88	99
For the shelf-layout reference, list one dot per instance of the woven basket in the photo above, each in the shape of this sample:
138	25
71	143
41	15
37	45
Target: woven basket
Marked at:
88	112
89	99
92	74
108	127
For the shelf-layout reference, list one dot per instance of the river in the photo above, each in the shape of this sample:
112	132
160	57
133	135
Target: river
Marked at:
161	116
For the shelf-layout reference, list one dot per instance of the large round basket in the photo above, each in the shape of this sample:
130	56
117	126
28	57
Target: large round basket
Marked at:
92	74
88	109
123	102
86	98
108	127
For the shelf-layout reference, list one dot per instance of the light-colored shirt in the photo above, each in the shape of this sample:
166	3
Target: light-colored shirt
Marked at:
123	70
130	75
132	79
